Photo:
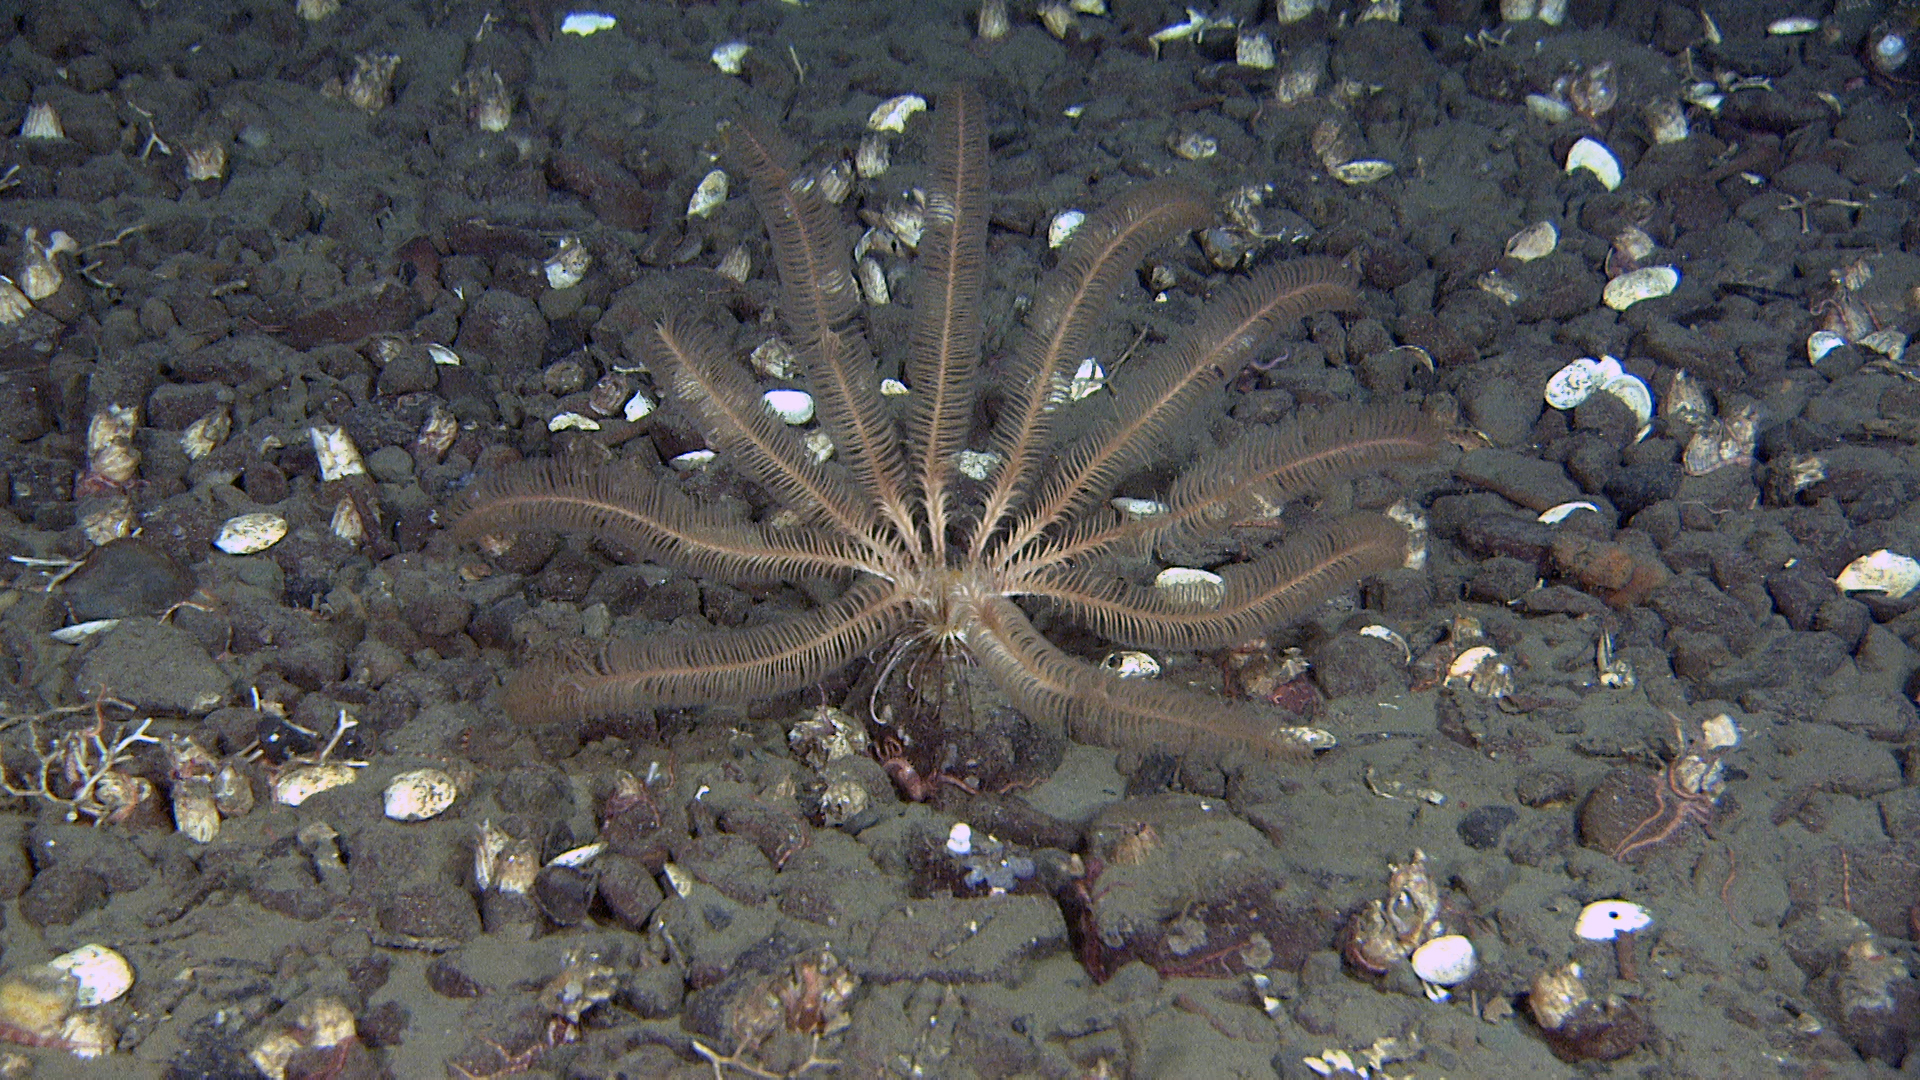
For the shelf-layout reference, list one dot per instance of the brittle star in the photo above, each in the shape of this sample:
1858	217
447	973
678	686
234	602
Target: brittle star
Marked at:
1688	805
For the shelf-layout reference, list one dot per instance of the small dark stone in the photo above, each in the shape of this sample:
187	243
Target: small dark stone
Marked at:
1538	788
564	894
433	912
445	978
538	791
311	664
62	894
1481	828
1636	487
567	577
127	578
408	373
382	1026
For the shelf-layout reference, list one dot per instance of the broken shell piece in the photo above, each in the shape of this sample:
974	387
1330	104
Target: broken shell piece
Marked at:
1136	509
1666	121
1594	157
736	264
1604	920
794	407
81	631
872	157
420	794
205	434
1191	588
1132	664
774	358
638	407
977	464
1883	571
483	93
41	123
1554	515
730	57
892	114
894	388
572	421
691	460
1253	49
1549	108
1891	344
1646	283
586	23
103	975
111	455
40	276
303	782
1822	342
13	302
569	264
1793	25
249	533
195	814
371	83
337	455
1088	378
1719	732
707	197
960	839
1194	146
1483	672
1365	171
1533	242
346	523
1062	226
1391	636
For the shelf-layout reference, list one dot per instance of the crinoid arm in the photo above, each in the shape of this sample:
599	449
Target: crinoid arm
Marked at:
1096	706
720	666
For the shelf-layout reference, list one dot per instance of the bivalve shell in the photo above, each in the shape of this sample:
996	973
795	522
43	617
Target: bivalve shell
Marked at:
303	782
1062	226
1574	383
1822	342
196	815
1533	242
892	114
638	407
103	974
337	455
572	421
420	794
586	23
1604	920
977	464
1593	156
691	460
708	195
1364	171
1190	587
730	57
1883	571
249	533
1132	664
1646	283
1447	960
794	407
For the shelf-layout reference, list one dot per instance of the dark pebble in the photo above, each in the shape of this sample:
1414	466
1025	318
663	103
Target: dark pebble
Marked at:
445	978
629	890
430	911
62	894
127	578
1481	828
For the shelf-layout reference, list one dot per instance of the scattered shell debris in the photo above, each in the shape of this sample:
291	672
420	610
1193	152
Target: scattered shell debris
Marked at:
893	113
1581	379
708	195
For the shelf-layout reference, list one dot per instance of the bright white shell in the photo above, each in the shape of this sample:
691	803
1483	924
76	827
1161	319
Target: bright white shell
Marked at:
1191	586
1634	391
1088	378
585	23
730	57
303	782
691	460
249	533
893	388
1447	960
1604	920
960	839
1136	509
337	455
1132	664
891	114
103	975
709	195
1574	383
1719	732
791	406
638	407
1365	171
420	794
1062	226
1883	572
1389	635
1533	242
1554	515
1593	156
572	421
1646	283
1822	342
1798	24
442	355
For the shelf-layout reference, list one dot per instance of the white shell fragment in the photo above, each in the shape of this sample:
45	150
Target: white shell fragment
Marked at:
1554	515
1389	635
691	460
731	57
960	839
1883	571
638	407
794	407
442	355
1088	378
585	23
303	782
1646	283
1788	27
1136	509
1604	920
975	464
1365	171
1191	587
893	388
1593	156
1447	960
103	975
1822	342
249	533
1062	226
572	421
1533	242
580	856
709	195
1581	379
1573	384
1132	664
420	794
1719	732
892	114
81	631
338	457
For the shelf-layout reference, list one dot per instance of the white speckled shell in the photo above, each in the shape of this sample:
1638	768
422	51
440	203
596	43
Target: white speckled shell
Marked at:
420	794
1594	157
103	975
249	533
1882	571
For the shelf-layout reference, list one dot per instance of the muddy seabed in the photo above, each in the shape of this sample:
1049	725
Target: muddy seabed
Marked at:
332	228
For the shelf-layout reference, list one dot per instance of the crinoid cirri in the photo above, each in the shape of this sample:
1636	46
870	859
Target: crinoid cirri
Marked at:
929	563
